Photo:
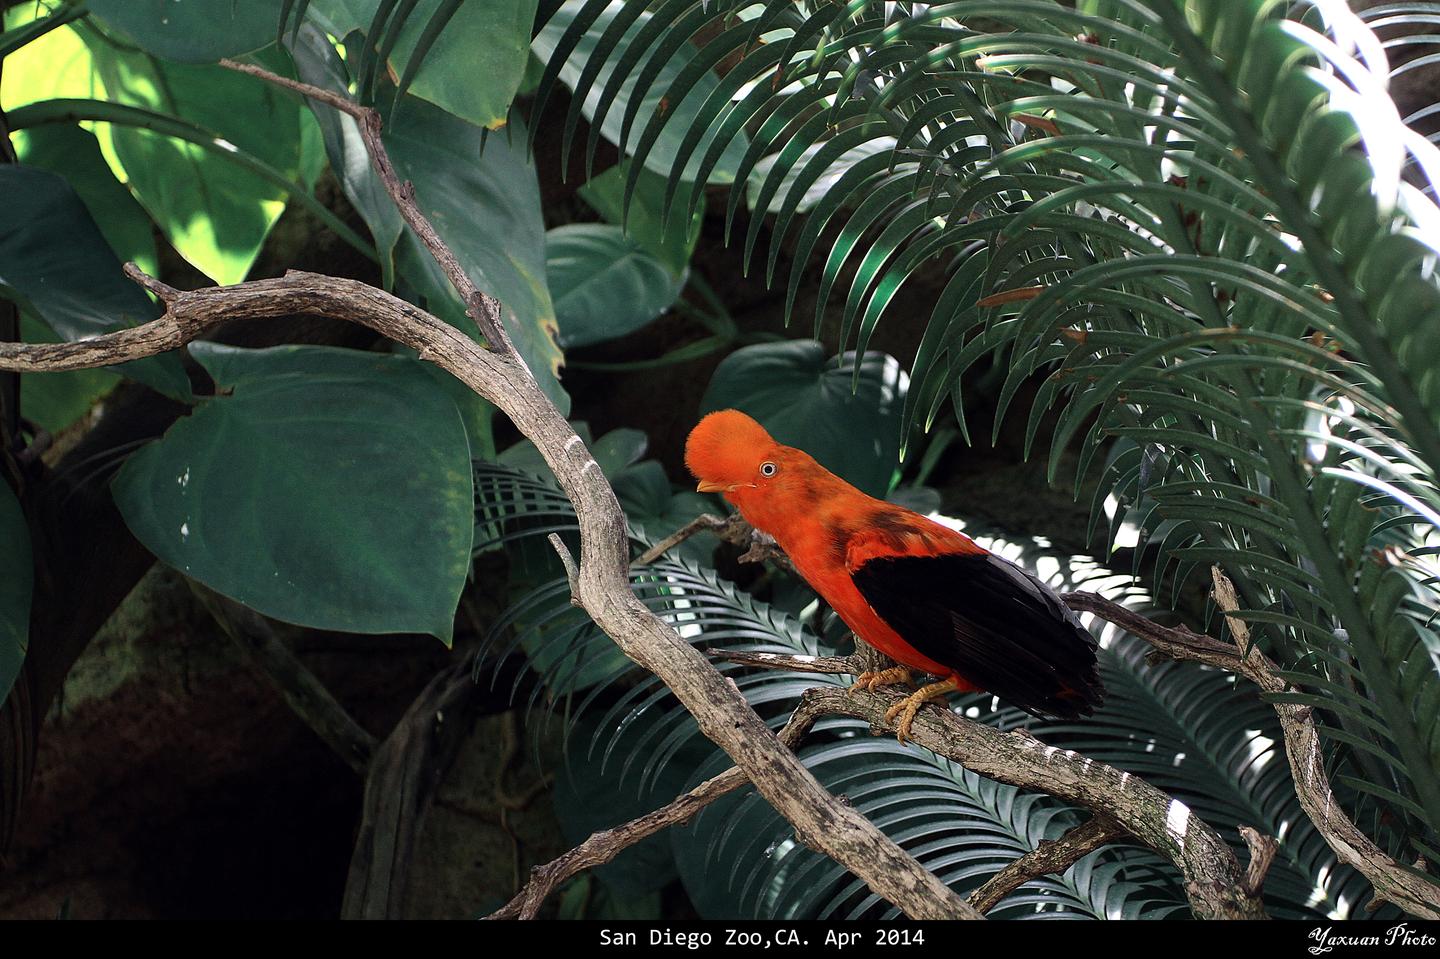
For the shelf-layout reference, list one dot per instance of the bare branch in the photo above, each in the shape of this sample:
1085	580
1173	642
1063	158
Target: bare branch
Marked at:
1262	854
572	572
340	102
605	845
721	712
1213	877
704	523
831	665
733	530
484	309
1050	856
1393	880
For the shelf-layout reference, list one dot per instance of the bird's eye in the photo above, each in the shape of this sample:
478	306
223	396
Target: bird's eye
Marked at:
768	469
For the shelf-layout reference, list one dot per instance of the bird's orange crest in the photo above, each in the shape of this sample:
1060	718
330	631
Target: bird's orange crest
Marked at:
726	446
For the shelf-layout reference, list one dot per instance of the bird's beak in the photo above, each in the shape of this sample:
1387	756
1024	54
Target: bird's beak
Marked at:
706	486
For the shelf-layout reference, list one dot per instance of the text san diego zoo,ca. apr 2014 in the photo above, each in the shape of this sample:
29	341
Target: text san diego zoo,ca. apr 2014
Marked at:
758	939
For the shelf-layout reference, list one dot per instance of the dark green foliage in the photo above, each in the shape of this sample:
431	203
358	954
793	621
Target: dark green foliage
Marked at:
193	31
1185	729
57	265
359	520
1226	291
604	283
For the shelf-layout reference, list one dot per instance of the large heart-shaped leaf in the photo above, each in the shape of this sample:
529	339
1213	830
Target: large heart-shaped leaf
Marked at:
473	66
55	64
604	285
481	194
54	261
330	488
16	578
194	31
807	401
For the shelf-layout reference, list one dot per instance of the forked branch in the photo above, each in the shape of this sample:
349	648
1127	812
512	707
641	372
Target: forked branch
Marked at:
602	586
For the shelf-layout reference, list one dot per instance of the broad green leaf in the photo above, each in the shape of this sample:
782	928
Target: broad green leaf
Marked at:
671	243
476	63
55	263
74	153
215	213
485	205
16	578
604	285
193	31
662	156
318	63
325	487
477	413
53	401
806	401
58	64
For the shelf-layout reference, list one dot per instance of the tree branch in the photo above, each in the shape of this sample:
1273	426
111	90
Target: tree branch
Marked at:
605	845
1393	881
1051	856
733	530
484	309
820	820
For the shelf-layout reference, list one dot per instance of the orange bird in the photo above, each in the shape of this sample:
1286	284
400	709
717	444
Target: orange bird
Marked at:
921	593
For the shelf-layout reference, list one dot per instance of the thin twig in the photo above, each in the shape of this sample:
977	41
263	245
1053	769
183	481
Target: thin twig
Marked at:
704	523
572	572
484	309
605	845
759	548
1050	856
830	665
339	101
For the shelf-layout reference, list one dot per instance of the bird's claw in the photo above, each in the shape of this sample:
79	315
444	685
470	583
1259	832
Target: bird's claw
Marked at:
907	708
872	678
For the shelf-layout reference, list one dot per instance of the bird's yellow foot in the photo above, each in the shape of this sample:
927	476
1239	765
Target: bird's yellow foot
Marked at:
910	705
870	679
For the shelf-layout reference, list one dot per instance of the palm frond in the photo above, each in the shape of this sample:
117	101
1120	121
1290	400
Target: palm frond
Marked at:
1186	729
1190	220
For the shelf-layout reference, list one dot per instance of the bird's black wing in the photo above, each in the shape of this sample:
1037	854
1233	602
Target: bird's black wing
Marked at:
993	623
